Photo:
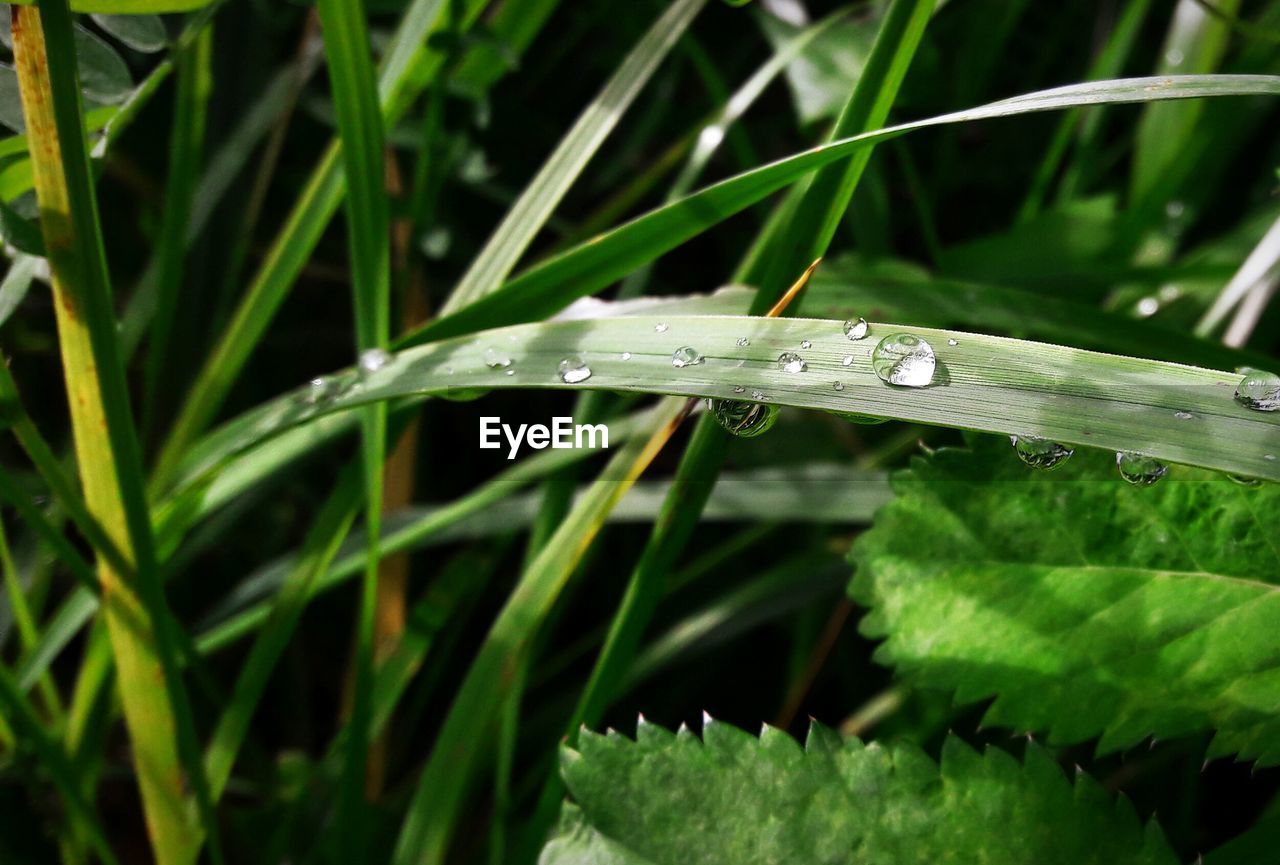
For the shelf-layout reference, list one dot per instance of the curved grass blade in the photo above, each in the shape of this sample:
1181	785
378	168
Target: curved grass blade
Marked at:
549	286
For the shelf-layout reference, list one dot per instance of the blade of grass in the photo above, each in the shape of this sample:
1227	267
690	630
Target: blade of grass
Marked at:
548	286
186	146
41	525
355	96
408	66
110	466
25	624
527	216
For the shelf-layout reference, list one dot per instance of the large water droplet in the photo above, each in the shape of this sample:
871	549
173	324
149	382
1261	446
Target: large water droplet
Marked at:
496	358
1040	453
685	356
373	359
743	419
1140	469
789	361
904	360
574	370
1259	390
856	329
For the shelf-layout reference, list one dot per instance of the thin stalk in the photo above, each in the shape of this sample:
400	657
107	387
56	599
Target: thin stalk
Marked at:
368	212
137	618
25	624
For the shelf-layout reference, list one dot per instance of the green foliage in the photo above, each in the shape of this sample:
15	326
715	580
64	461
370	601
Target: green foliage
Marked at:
1086	606
731	798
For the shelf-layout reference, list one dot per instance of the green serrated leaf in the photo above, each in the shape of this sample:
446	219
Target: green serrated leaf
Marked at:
731	798
1087	606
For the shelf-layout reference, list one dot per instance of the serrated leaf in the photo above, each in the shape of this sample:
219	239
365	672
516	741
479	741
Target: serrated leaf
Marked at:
1087	606
731	798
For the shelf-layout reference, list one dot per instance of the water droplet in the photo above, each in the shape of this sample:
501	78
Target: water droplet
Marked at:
758	395
856	329
660	327
511	372
743	419
904	360
806	344
1259	390
1140	469
837	385
743	342
496	358
1183	415
848	360
1269	457
321	390
737	388
373	359
1174	57
1148	307
626	355
574	370
685	356
1040	453
952	342
789	361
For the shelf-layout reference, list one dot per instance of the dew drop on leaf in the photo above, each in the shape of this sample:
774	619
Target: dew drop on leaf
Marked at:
848	360
321	390
496	358
626	355
806	344
685	356
743	419
1183	415
837	385
574	370
1259	390
1040	453
904	360
660	327
1139	469
743	342
789	361
373	359
856	329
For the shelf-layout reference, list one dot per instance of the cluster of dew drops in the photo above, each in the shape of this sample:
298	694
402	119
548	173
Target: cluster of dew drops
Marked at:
899	359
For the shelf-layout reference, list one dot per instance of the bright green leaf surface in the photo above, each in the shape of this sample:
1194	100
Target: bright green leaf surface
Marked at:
1089	607
672	799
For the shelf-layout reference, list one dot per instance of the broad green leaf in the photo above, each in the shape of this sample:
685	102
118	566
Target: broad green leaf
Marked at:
103	74
1086	606
822	77
731	798
143	33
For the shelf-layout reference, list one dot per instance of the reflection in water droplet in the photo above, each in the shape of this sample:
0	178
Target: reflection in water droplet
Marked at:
321	390
856	329
806	344
496	358
574	370
1040	453
743	342
660	327
1259	390
373	359
1140	469
1183	415
789	361
837	385
904	360
743	419
685	356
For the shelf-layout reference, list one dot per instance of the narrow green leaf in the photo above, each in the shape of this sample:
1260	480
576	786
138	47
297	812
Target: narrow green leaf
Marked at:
730	798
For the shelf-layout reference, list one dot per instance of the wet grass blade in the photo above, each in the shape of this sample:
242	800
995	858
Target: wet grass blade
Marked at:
529	214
